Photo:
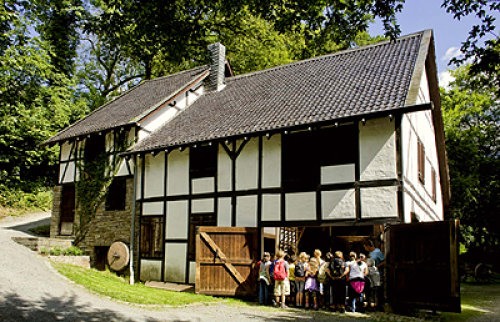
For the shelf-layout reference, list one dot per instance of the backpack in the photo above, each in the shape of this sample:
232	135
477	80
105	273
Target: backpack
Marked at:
322	273
336	267
279	271
300	270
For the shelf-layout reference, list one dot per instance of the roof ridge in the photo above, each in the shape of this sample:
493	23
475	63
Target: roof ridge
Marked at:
338	53
175	74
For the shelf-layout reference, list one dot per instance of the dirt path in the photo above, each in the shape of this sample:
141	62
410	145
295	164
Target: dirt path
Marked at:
31	290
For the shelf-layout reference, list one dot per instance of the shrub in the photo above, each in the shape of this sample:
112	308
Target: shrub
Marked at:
56	251
44	251
70	251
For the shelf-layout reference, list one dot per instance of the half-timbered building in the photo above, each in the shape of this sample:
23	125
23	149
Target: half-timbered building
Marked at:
335	146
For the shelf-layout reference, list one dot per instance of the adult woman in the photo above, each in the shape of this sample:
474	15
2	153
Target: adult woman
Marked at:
356	272
335	272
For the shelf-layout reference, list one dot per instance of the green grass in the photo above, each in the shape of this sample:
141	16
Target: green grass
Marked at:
477	300
43	230
108	284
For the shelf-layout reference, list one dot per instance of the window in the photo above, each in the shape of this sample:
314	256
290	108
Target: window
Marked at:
305	152
421	161
152	237
203	161
94	145
433	181
117	191
196	220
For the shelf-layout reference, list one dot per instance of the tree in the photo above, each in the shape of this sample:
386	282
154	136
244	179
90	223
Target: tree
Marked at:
31	110
58	26
471	118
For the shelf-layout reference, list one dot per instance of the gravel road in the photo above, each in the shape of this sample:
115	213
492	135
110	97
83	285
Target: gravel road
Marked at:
31	290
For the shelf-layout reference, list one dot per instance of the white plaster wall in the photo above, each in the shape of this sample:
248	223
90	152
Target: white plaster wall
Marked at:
338	173
175	262
224	212
338	204
246	211
69	176
423	92
377	149
271	207
192	272
139	176
300	206
202	205
150	270
177	219
152	208
247	164
224	175
178	173
271	161
379	202
154	185
65	151
123	170
415	126
203	185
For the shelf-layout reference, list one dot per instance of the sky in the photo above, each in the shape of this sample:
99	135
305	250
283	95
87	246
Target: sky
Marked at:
449	33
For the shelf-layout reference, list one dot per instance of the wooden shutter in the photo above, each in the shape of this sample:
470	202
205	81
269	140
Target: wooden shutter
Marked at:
433	181
421	161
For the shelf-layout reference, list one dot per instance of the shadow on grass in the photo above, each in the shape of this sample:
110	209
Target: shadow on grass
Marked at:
49	308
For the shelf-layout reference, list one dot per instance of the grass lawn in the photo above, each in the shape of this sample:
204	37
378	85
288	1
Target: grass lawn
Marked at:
478	301
107	283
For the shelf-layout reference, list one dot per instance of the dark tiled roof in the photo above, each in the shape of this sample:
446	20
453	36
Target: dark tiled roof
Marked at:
348	83
127	107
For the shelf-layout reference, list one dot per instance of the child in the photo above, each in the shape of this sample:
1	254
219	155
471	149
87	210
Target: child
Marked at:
374	278
293	288
312	284
300	278
281	282
264	279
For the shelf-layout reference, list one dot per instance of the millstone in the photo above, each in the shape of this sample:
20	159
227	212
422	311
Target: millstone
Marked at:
118	256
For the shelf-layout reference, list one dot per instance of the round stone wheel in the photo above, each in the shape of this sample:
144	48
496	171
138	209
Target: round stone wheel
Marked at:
118	256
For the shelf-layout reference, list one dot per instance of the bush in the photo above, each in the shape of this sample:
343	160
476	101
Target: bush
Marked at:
44	251
58	251
39	198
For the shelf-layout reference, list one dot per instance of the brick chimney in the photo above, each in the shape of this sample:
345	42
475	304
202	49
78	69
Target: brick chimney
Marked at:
216	79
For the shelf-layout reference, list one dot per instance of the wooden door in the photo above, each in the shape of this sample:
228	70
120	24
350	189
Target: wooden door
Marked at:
68	203
225	259
422	266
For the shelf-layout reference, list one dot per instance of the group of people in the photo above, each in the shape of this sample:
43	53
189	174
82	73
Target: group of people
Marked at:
313	282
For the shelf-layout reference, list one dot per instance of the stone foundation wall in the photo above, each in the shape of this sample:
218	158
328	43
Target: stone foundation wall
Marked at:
107	226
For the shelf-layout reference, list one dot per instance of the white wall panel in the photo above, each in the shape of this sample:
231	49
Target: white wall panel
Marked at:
69	176
338	204
123	170
109	142
271	207
246	211
300	206
178	173
224	175
338	173
175	262
177	219
202	205
192	272
377	148
224	212
247	165
154	183
203	185
150	270
152	208
379	202
271	161
65	151
139	178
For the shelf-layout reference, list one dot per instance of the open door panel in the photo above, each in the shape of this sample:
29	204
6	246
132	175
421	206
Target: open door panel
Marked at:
422	266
